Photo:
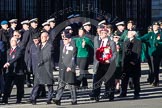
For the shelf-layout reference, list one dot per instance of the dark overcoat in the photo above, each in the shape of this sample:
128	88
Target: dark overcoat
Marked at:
34	59
132	53
15	59
67	60
45	71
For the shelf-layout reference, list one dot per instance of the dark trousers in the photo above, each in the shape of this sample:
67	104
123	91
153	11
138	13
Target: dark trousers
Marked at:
156	63
36	87
82	63
82	79
61	87
18	80
2	83
151	68
41	90
97	81
124	84
110	87
28	78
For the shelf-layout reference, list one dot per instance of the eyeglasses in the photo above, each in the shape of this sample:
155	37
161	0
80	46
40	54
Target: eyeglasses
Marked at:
116	37
15	35
14	23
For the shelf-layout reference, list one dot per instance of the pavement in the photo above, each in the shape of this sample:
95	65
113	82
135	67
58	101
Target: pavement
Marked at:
151	97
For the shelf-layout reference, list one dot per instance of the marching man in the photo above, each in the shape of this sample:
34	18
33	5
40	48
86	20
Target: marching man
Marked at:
67	70
102	45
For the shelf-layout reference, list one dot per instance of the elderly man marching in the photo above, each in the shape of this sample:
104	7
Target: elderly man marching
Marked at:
14	72
67	69
131	66
44	73
105	54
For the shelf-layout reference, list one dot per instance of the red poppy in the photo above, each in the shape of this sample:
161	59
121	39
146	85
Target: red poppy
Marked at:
102	56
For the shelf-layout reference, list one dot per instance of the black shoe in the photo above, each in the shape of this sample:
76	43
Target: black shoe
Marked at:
33	102
136	96
155	84
57	102
74	103
18	102
77	87
4	102
111	98
55	69
122	95
49	102
84	87
105	96
29	85
149	80
131	86
108	96
29	101
96	98
117	91
92	97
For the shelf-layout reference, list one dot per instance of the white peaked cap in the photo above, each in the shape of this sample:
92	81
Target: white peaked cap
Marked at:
12	20
102	22
25	22
68	27
120	23
51	20
45	23
33	20
86	23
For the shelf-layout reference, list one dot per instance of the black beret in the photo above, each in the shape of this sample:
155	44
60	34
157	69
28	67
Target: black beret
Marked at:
82	28
67	35
36	36
155	23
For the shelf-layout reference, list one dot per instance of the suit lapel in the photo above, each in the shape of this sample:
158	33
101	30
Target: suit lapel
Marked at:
45	45
98	42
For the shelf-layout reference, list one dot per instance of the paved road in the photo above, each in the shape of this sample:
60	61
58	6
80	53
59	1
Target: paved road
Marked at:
151	97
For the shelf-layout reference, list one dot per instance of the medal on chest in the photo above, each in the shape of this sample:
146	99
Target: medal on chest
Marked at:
69	48
158	37
13	56
67	52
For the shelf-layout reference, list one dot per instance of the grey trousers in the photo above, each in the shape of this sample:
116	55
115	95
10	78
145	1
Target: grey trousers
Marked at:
61	87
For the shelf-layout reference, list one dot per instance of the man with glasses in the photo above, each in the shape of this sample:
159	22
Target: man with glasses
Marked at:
101	66
66	69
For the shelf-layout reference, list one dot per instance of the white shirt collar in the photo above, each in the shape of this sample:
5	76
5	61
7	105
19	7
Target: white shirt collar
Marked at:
67	45
131	38
13	28
13	47
105	42
155	32
43	44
